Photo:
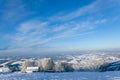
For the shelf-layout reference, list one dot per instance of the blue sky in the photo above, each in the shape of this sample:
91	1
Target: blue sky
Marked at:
34	26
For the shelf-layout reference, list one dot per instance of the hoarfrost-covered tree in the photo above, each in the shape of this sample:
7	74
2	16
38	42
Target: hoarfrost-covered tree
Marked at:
90	65
63	66
59	67
26	64
46	64
39	64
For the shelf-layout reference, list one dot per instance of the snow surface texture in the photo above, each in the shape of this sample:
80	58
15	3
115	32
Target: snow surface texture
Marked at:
62	76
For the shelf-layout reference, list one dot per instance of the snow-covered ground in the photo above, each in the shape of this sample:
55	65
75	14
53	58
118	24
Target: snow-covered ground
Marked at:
115	75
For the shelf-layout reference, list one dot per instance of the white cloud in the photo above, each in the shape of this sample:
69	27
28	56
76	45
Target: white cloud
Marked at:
101	21
96	7
90	8
13	10
31	26
36	33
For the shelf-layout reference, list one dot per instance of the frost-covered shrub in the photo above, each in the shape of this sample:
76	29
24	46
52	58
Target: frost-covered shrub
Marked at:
59	67
89	65
39	64
63	66
103	67
46	64
26	64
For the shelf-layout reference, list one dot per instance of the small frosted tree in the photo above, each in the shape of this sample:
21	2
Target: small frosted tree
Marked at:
26	64
59	67
39	64
63	66
45	64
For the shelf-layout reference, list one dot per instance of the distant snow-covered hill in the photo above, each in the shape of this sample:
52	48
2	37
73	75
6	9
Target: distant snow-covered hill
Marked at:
84	62
91	62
